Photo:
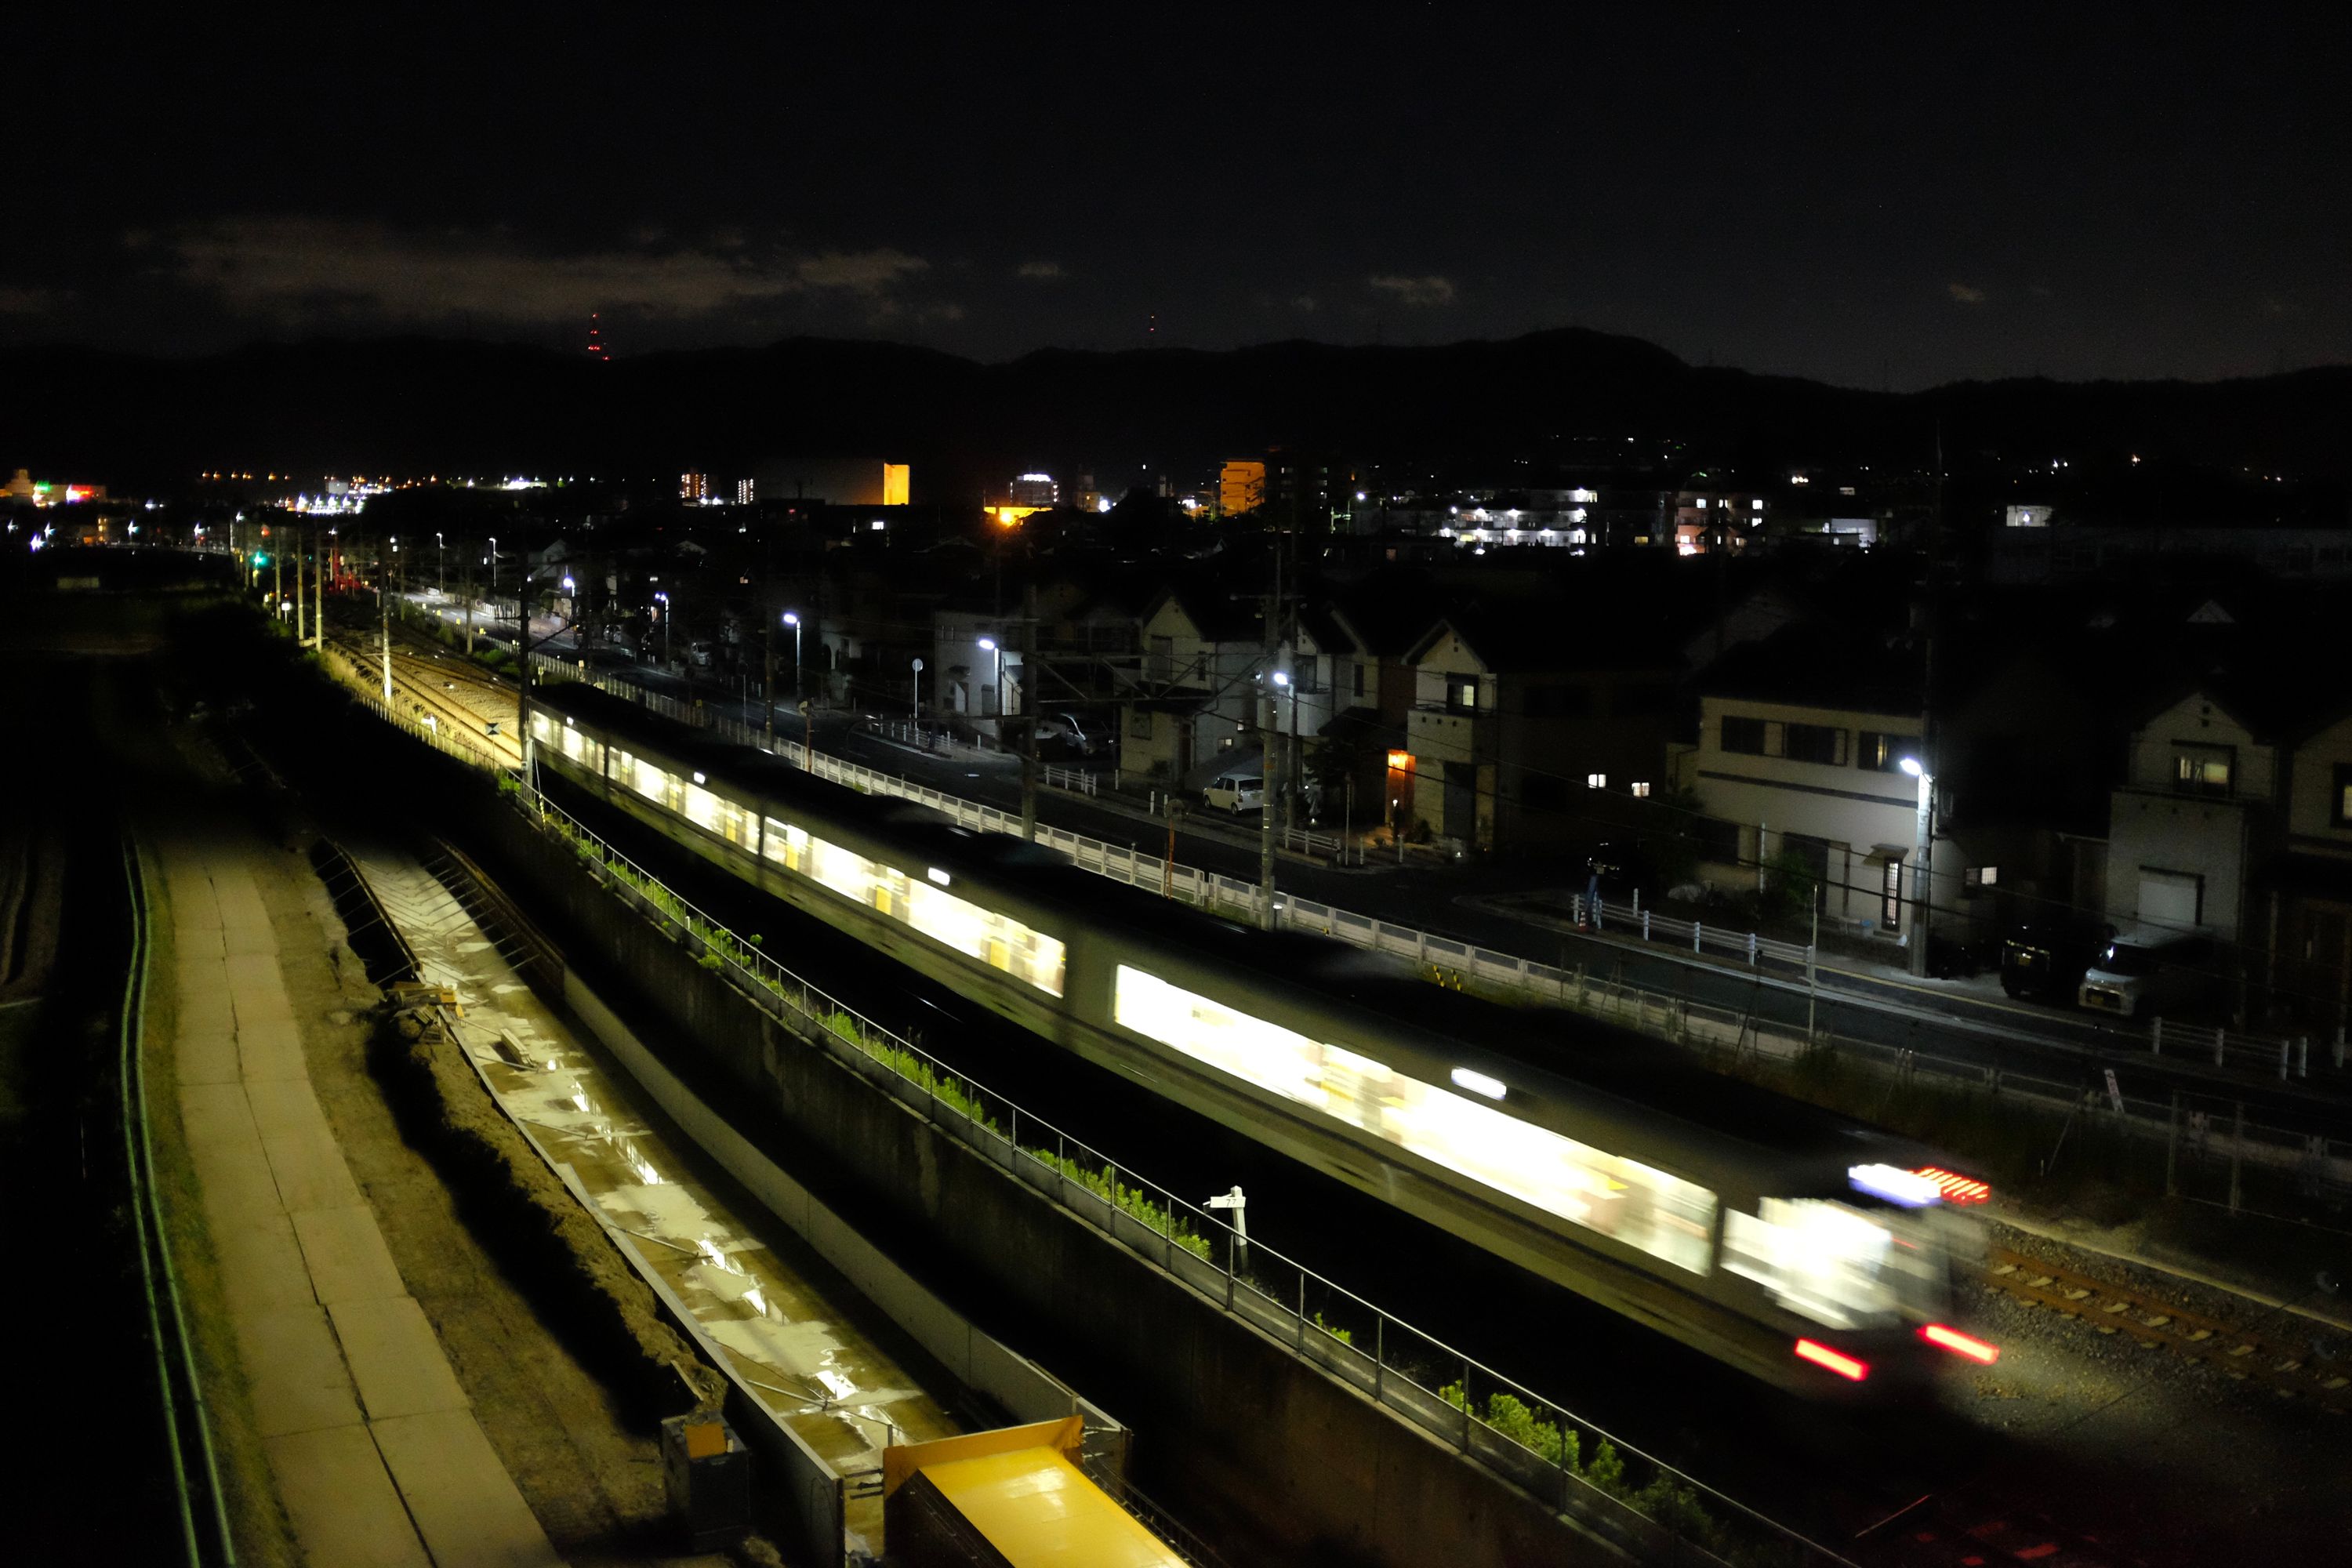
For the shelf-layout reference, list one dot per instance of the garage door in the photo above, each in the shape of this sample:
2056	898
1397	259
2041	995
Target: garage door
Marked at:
2170	897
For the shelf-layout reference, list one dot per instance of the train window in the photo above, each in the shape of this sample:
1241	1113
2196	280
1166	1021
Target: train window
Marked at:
1646	1208
996	940
1834	1264
784	844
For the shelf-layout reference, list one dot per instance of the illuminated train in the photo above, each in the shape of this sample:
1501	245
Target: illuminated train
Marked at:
1813	1251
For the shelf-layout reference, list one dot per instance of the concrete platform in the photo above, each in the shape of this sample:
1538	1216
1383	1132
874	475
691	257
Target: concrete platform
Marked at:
375	1450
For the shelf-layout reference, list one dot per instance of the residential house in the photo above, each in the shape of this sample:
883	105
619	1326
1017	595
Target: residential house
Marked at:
1801	741
1526	713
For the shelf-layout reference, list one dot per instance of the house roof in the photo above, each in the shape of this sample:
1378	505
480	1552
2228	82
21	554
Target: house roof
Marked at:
1825	666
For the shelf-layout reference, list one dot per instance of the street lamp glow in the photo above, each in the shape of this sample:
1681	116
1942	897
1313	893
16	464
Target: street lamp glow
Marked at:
1282	677
1911	765
792	618
988	643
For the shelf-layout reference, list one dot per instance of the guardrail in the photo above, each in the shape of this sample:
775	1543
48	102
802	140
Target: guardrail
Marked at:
2189	1123
187	1424
2283	1057
1608	1485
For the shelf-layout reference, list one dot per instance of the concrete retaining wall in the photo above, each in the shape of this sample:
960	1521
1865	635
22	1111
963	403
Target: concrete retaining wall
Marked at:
1278	1459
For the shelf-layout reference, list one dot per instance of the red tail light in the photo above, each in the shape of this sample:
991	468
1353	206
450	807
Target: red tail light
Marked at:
1958	1343
1820	1356
1957	1189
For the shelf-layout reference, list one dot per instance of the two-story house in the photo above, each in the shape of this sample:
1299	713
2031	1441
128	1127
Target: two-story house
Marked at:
1519	721
2310	885
1801	744
2193	816
1197	696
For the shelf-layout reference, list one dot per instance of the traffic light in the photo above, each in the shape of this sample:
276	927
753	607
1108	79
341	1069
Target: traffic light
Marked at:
260	558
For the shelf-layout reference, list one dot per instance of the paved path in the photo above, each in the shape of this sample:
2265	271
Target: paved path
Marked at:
375	1450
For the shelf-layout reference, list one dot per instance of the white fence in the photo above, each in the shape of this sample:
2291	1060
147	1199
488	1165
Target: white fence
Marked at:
2270	1055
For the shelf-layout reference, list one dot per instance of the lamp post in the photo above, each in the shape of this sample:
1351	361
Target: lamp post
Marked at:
918	693
662	599
792	619
1923	850
996	685
441	565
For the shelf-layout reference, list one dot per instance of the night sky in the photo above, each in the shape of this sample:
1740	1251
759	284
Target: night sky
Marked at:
1867	198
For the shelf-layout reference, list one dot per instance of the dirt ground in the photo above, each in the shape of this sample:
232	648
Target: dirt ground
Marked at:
595	1483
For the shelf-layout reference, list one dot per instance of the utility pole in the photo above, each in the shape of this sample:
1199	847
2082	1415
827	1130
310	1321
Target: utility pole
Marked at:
277	582
301	606
768	636
1929	760
466	583
1270	766
522	673
383	610
318	586
1028	717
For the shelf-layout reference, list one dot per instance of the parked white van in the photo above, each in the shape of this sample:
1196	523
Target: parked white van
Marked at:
1236	792
2143	973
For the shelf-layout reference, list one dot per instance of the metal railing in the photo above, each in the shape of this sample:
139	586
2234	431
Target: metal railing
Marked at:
2280	1057
1537	1443
201	1506
2319	1163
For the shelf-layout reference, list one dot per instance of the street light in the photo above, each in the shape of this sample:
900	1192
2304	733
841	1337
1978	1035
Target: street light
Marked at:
918	692
441	564
1923	851
662	597
997	681
792	619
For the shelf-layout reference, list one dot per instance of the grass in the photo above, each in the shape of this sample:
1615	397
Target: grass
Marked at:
1664	1499
264	1537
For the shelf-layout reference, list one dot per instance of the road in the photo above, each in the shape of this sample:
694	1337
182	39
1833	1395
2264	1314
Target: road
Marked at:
1961	1020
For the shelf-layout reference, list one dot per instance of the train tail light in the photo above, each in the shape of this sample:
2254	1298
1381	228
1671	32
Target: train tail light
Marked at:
1820	1356
1957	1190
1961	1344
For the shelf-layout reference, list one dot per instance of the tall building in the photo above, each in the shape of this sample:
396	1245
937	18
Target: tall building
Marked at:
842	481
1240	487
1035	490
693	487
746	491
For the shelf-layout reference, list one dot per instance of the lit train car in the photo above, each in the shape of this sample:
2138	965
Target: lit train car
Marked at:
1808	1250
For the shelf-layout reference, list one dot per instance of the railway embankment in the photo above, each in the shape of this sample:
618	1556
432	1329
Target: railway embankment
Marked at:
1232	1422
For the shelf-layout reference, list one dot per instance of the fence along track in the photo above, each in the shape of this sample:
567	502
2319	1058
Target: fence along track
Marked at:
201	1507
2114	1309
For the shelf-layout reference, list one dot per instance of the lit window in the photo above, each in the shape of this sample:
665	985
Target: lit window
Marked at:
1756	505
1596	781
1640	790
1645	1208
1983	876
2201	770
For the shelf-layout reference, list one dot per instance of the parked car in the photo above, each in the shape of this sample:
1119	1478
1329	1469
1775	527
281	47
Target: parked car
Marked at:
1236	792
2142	974
2048	959
1063	732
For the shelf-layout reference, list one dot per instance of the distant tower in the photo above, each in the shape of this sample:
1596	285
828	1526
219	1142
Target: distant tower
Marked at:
595	339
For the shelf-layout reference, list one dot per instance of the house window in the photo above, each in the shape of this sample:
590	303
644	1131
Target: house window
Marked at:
1718	841
2201	770
1816	743
1596	781
1360	678
2343	796
1883	753
1891	917
1640	790
1138	723
1750	737
1462	695
1981	876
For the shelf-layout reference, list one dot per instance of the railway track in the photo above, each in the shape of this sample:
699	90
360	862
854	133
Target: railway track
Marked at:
2111	1309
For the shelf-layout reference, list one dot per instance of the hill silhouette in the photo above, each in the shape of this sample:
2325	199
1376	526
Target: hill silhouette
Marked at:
415	404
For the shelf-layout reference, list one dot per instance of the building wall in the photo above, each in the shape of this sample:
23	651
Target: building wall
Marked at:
2316	820
2152	837
1855	810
